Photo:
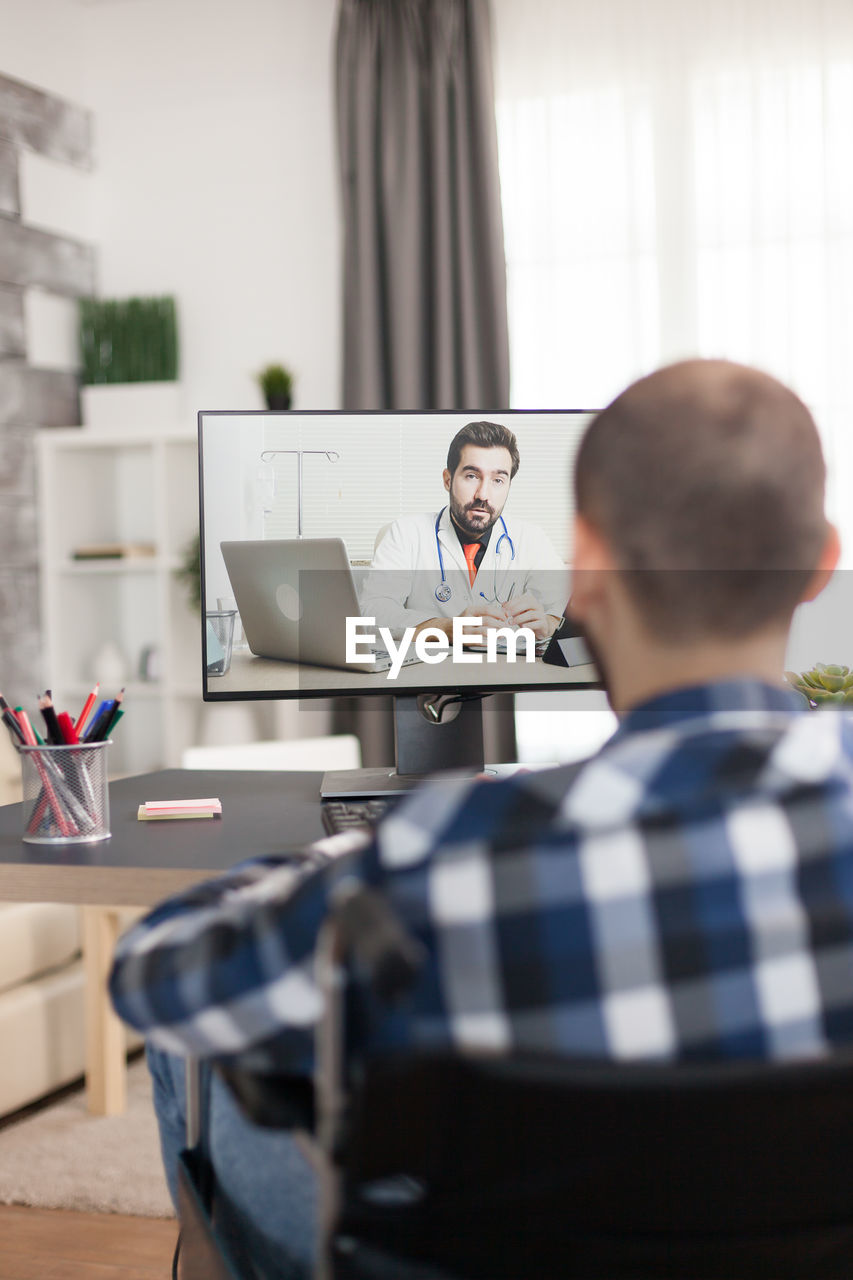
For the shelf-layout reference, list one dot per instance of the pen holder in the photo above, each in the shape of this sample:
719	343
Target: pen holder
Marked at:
66	793
220	638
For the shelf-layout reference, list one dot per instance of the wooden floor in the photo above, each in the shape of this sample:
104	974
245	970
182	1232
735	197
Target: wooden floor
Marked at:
52	1244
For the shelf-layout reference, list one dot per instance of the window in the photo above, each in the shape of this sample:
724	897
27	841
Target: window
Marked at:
677	179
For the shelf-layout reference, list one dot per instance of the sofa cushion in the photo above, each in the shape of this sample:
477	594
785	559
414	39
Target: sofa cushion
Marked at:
42	1029
36	937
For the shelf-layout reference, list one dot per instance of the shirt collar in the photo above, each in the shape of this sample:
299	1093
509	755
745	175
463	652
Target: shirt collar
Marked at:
464	539
702	700
647	768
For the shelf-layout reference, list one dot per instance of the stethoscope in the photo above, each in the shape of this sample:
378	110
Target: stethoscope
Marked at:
443	591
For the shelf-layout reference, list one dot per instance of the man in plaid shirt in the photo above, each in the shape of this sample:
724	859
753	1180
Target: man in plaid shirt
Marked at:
686	893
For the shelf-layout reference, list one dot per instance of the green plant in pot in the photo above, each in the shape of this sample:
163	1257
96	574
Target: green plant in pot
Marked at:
276	383
825	683
129	363
128	340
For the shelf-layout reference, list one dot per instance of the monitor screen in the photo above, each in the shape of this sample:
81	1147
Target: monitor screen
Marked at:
376	553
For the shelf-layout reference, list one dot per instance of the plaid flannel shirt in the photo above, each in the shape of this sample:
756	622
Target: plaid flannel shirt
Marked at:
688	893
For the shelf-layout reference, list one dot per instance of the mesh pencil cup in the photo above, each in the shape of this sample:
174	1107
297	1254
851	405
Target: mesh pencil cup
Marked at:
66	793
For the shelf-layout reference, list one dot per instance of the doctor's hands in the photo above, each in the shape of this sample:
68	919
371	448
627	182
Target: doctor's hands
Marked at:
527	611
493	615
523	611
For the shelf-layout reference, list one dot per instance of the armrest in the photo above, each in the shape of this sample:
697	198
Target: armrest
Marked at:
281	1101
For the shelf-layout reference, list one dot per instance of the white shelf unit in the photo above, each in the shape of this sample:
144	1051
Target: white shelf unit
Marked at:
103	487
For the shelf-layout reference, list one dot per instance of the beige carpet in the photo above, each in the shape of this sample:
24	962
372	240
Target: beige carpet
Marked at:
63	1158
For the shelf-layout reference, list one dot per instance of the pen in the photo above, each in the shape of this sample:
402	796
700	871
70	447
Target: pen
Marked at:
93	721
38	740
116	715
66	728
101	721
11	722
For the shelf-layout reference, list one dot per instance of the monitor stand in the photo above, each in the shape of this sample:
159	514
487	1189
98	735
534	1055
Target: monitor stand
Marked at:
432	732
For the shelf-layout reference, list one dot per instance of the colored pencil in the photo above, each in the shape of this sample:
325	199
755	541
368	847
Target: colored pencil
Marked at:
54	733
80	723
65	824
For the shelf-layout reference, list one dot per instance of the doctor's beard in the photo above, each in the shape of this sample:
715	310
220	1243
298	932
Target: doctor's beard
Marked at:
461	517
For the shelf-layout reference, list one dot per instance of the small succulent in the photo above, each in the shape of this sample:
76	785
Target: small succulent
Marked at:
824	683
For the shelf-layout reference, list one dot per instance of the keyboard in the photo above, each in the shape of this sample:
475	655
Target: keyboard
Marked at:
350	815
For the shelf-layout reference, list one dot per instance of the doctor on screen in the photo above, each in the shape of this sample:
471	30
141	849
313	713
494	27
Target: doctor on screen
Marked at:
471	557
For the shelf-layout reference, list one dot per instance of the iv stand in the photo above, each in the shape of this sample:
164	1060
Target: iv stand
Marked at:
299	454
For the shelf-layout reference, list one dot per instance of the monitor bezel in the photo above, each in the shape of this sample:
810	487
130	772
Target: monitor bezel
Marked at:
290	695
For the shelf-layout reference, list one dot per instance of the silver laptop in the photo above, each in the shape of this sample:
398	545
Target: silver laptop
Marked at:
294	597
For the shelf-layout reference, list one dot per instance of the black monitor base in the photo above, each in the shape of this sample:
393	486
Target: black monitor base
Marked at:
432	733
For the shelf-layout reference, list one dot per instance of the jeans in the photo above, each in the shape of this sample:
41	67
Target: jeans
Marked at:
266	1188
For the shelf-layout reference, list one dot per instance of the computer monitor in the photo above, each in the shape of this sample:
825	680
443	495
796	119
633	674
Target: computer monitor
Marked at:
352	554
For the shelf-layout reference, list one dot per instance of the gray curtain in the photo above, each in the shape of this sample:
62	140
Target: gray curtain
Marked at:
425	321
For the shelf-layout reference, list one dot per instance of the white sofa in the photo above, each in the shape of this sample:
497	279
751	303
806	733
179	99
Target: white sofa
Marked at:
42	1026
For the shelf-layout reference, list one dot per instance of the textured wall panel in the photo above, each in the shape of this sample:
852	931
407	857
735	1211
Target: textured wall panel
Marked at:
19	532
31	122
28	257
48	125
12	333
20	634
52	398
41	397
10	198
17	462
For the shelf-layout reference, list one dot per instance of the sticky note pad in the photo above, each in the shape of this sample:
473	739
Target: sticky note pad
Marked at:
154	810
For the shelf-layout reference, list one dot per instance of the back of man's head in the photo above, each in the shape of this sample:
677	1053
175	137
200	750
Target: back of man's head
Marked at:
706	480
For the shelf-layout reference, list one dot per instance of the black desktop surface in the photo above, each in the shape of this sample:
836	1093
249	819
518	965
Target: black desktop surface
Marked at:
262	812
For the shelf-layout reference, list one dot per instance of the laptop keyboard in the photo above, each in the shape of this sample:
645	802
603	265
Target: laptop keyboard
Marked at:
383	656
349	815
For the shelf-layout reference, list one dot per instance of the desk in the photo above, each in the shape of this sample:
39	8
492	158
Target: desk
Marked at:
144	862
268	674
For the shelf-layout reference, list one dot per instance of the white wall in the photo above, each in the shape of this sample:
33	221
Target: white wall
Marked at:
44	43
215	174
216	151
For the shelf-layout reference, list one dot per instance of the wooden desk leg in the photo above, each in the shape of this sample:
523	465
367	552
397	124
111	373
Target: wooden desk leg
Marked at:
106	1047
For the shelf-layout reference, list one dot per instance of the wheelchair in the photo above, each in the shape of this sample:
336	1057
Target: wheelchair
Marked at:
449	1166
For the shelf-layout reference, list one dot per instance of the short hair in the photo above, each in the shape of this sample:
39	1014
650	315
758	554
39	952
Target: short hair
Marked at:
707	480
487	435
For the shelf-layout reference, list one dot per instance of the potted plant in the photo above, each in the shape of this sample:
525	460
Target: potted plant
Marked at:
129	362
825	683
276	383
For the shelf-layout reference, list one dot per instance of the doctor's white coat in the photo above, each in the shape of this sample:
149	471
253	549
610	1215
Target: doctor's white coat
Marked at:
400	587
